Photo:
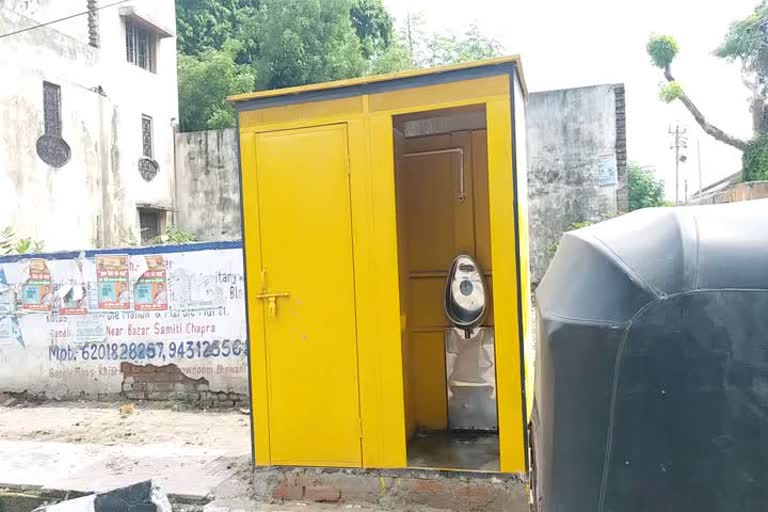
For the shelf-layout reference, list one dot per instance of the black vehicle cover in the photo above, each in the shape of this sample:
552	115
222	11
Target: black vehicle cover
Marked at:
651	390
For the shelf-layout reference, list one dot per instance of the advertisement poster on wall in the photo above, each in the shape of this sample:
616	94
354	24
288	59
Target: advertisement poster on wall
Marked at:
112	281
7	297
150	293
74	302
37	292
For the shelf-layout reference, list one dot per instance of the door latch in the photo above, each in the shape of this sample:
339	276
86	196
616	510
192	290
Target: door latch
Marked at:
271	299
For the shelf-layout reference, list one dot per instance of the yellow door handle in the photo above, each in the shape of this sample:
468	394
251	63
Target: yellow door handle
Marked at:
272	302
272	295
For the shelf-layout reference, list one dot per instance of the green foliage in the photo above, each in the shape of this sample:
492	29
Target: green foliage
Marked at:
578	225
393	59
307	41
436	49
173	236
412	36
662	50
473	45
207	24
232	46
552	248
755	159
746	40
645	189
670	92
12	244
373	25
204	83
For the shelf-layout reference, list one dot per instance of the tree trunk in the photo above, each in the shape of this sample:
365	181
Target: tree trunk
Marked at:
714	131
759	115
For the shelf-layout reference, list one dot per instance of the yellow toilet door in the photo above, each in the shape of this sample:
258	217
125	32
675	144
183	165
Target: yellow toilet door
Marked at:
308	296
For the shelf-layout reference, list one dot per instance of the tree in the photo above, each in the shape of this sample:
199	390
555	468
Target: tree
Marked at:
747	42
393	59
307	41
439	48
645	189
231	46
374	26
207	24
204	83
382	48
475	46
663	50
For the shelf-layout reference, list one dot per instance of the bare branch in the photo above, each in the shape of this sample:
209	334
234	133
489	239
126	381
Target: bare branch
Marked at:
714	131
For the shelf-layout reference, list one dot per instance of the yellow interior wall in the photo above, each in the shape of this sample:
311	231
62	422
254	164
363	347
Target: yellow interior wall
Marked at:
372	184
433	228
402	254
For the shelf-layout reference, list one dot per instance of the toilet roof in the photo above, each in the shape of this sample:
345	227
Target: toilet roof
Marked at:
379	83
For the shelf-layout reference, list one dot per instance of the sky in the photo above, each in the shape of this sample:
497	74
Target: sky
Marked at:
566	43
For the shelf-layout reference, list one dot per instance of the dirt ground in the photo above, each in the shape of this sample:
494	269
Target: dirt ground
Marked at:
163	427
103	423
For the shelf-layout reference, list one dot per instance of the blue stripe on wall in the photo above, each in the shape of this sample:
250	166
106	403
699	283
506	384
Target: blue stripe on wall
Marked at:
131	251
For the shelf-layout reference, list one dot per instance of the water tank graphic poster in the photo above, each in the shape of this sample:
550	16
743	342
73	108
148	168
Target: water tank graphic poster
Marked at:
150	293
37	292
112	281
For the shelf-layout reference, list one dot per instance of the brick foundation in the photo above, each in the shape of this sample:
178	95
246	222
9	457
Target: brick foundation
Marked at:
150	382
395	489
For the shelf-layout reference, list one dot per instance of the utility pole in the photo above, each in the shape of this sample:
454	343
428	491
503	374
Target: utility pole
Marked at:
698	159
679	143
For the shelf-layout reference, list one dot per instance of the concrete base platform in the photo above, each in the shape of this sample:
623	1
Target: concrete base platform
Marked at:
395	489
454	450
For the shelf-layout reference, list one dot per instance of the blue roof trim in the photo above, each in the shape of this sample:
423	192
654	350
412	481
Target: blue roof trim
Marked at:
131	251
377	87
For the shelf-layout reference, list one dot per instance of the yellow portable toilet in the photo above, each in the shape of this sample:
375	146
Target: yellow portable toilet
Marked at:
358	196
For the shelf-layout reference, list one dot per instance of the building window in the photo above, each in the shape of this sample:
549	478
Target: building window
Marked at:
52	108
140	46
147	142
151	224
51	147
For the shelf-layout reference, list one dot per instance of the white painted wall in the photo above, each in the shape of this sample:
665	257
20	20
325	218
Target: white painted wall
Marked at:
208	184
91	201
573	136
68	356
42	11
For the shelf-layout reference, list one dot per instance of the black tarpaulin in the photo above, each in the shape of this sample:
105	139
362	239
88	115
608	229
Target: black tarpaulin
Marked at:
651	388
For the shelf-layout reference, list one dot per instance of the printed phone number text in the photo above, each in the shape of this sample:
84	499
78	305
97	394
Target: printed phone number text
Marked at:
152	350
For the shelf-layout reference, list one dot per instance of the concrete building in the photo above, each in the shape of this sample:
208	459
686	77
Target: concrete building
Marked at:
577	163
87	107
